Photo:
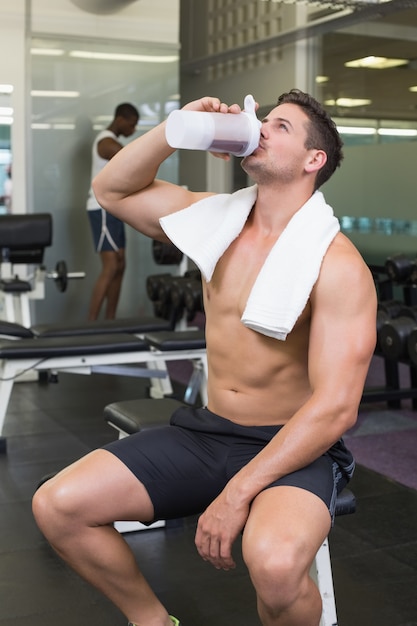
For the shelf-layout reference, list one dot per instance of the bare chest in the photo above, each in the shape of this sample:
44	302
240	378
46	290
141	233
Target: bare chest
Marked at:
237	271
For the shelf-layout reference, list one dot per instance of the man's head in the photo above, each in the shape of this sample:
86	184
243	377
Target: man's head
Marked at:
322	133
126	117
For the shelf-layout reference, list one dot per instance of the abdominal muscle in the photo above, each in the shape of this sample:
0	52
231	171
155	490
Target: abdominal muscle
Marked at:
253	379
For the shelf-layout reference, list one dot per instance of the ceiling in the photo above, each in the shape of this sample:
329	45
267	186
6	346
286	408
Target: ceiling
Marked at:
393	35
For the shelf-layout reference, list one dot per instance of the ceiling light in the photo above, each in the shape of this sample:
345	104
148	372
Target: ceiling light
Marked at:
44	93
348	102
6	111
109	56
49	52
413	88
398	132
5	88
376	63
322	79
356	130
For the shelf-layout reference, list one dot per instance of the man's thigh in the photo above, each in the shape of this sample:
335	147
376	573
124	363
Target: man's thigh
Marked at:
100	489
286	520
182	471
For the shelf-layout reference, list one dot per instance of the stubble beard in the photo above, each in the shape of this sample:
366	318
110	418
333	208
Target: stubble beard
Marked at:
260	173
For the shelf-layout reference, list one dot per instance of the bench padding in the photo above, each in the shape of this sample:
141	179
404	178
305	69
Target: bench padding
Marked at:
80	345
11	329
123	325
131	416
177	340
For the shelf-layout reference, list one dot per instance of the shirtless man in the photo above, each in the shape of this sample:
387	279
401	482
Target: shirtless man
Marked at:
293	398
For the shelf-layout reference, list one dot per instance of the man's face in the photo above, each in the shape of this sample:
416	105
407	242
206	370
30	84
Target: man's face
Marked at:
281	154
128	126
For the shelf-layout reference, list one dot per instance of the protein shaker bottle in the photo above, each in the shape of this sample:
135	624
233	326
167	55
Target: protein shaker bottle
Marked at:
235	133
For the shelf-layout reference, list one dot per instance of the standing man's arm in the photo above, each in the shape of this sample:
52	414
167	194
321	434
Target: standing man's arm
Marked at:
108	147
127	187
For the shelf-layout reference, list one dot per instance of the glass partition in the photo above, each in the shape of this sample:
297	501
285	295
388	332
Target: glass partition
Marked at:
76	86
6	119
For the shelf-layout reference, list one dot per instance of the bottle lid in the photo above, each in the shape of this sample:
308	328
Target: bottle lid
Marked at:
249	110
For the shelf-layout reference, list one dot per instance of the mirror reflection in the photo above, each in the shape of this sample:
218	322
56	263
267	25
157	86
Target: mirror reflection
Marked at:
6	118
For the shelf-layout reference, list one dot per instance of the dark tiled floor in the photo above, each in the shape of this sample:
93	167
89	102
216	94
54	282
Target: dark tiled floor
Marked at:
374	552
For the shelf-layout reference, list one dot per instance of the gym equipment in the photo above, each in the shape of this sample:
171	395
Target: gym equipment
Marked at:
176	295
390	307
401	269
412	346
152	285
166	253
23	239
393	336
395	320
131	416
108	353
61	276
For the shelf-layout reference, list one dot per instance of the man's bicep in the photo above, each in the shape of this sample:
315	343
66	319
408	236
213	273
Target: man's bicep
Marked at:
143	209
343	334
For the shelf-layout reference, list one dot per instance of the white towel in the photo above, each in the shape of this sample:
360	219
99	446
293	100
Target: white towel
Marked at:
205	230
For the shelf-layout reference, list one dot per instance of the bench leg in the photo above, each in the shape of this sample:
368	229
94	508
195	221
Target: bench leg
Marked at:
130	527
321	572
6	385
160	387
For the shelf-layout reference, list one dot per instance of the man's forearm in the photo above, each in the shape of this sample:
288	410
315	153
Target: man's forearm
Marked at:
133	168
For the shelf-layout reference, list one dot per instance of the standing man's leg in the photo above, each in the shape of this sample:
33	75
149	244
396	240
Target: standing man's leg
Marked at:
76	509
284	531
113	291
110	242
108	284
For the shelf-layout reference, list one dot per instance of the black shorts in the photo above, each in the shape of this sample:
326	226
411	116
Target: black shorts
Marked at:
184	466
108	231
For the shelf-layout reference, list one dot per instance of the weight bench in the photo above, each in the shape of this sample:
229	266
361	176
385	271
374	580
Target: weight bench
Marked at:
131	325
109	353
131	416
23	239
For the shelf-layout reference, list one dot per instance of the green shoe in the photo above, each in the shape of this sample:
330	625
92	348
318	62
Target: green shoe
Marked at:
175	621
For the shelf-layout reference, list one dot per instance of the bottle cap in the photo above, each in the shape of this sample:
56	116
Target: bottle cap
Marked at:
255	126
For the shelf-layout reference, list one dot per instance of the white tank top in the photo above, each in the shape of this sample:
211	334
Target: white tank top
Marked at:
97	165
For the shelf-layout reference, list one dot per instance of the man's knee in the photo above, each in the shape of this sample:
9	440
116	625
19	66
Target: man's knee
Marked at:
52	508
278	573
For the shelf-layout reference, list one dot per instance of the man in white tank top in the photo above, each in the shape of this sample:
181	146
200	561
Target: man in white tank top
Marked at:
108	231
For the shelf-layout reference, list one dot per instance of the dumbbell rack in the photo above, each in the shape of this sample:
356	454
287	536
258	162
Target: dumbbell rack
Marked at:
392	393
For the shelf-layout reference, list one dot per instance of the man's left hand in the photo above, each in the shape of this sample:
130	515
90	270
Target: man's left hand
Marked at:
217	529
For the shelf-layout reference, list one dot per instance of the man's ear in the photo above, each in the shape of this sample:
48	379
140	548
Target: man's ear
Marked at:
316	160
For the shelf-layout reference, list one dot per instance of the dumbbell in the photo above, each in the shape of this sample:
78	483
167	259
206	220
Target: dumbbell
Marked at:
165	253
193	298
178	285
412	346
152	285
391	308
401	269
61	276
393	337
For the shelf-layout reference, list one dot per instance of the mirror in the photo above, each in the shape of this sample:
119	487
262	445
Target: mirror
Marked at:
6	119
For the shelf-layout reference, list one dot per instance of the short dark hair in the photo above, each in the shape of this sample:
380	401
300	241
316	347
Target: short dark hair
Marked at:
126	110
322	133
